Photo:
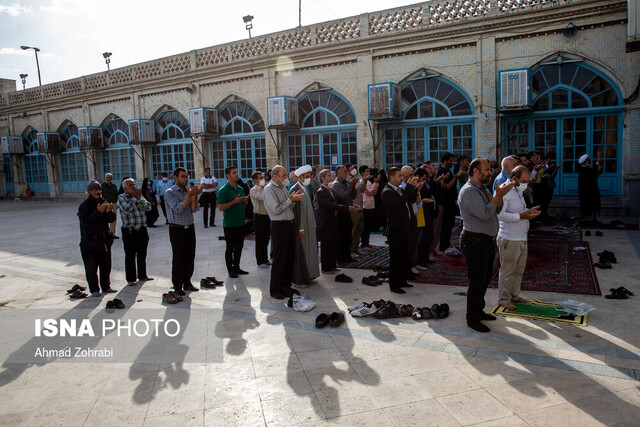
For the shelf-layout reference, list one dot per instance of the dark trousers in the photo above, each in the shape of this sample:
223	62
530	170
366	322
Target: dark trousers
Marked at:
345	225
412	246
426	238
183	245
261	226
164	208
448	221
208	200
135	244
369	219
328	249
399	260
234	237
479	250
93	260
283	240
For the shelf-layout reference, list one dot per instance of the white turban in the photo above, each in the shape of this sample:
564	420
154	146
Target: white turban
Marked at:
582	159
302	170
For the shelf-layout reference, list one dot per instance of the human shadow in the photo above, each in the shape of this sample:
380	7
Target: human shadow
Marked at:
234	323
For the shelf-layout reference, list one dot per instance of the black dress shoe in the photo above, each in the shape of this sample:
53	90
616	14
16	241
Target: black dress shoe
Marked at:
406	285
233	274
181	292
444	311
278	296
290	291
336	319
190	287
478	326
322	320
240	271
206	226
398	291
206	283
487	316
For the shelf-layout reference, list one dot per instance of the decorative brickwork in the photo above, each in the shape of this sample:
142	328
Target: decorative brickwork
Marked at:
96	81
52	91
71	87
123	75
147	70
405	19
338	31
213	56
294	40
249	49
176	64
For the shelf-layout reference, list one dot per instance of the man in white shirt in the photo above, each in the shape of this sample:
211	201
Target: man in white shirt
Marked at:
512	239
208	197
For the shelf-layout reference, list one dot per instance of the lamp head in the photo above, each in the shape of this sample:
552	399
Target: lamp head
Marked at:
247	18
24	76
106	55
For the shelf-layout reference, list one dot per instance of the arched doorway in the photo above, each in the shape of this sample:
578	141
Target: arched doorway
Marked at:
327	134
241	142
35	167
118	158
73	163
174	145
438	117
577	109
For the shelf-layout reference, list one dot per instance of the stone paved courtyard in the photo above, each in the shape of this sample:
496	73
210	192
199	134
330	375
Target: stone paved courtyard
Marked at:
276	368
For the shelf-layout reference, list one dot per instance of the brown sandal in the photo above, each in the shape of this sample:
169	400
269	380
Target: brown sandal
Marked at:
176	295
169	299
78	294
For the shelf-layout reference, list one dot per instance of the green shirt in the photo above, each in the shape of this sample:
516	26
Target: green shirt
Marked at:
110	192
234	216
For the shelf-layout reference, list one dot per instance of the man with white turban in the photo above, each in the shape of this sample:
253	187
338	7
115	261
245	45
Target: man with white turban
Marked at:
588	191
306	265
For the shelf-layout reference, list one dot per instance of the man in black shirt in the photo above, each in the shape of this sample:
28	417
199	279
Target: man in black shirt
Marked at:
449	196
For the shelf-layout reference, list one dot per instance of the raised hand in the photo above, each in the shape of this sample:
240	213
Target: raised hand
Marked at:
102	207
531	213
504	188
296	196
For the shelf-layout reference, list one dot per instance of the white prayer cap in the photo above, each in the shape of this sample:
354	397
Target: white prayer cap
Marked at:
302	170
583	159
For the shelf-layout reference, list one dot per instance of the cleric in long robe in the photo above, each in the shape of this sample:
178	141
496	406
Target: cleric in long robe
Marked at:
306	267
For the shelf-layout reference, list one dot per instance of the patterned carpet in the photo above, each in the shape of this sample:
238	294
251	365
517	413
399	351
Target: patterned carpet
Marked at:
558	261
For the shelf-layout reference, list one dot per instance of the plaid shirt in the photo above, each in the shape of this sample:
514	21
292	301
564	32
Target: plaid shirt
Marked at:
173	199
132	211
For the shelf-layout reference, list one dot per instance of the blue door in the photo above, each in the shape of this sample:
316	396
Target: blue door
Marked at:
577	110
73	163
7	167
35	167
175	148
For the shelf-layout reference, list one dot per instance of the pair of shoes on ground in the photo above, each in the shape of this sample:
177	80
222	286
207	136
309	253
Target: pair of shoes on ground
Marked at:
172	297
238	271
343	278
365	309
372	281
286	293
383	275
607	256
436	311
477	325
210	282
391	310
597	233
115	303
334	319
619	293
77	291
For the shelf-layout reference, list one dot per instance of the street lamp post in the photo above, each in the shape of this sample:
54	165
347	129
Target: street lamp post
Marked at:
247	23
24	79
107	59
36	50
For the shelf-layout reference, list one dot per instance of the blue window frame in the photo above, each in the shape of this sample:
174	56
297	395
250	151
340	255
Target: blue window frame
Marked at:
118	158
73	163
7	167
35	167
241	142
577	110
328	131
438	118
175	147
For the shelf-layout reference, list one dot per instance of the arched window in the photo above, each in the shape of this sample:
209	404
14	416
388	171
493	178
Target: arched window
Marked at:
174	147
328	131
241	141
437	118
118	158
73	163
35	167
577	109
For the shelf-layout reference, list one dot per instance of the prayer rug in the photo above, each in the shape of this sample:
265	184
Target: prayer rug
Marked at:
557	262
540	310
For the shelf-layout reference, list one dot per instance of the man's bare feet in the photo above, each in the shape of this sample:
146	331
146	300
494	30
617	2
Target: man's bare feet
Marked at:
146	279
509	306
521	300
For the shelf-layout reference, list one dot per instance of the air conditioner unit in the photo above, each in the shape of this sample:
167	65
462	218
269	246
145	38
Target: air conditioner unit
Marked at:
141	131
514	89
203	121
49	142
16	145
4	144
282	112
384	101
91	138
